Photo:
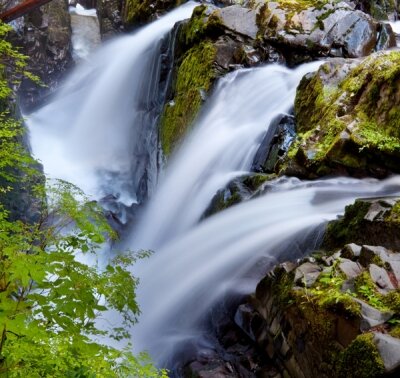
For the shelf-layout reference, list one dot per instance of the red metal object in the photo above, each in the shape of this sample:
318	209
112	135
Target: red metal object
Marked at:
21	9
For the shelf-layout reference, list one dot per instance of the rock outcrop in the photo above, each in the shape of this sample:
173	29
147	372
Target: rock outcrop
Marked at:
213	42
44	35
324	28
347	119
334	314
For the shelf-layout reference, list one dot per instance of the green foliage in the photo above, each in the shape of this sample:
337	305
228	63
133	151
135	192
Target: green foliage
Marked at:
327	293
51	302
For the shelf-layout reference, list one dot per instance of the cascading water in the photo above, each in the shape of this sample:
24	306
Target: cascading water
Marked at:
182	280
221	147
99	132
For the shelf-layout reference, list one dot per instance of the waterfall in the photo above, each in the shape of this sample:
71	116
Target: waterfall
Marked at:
221	147
183	279
99	131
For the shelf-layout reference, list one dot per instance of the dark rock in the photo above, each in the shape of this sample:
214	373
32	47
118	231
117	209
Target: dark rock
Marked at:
373	222
389	350
110	19
306	274
45	36
249	321
333	29
275	144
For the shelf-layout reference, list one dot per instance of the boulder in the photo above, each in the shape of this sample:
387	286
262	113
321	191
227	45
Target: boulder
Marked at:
362	224
326	28
347	116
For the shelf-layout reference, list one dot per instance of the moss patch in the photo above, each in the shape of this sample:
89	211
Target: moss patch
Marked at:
361	359
195	74
140	11
350	122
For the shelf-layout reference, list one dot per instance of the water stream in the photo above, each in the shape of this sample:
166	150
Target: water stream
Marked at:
100	133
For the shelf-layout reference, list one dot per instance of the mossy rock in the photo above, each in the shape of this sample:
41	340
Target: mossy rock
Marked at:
195	76
238	190
367	222
361	359
205	49
304	28
349	125
139	12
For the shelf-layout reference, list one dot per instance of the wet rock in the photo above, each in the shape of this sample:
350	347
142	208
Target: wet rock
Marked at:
110	18
249	321
389	350
275	144
369	226
139	12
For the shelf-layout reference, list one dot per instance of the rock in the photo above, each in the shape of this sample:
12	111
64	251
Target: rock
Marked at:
347	119
206	48
45	35
389	350
249	321
306	274
350	268
381	279
110	18
351	251
238	19
359	226
330	29
139	12
275	144
371	317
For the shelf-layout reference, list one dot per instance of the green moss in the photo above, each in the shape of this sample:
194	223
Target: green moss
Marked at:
360	359
346	229
366	99
394	214
195	74
327	294
366	290
139	11
201	25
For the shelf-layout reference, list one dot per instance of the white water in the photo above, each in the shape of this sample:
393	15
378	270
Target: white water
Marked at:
182	280
85	136
91	134
395	26
222	146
